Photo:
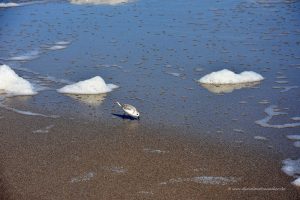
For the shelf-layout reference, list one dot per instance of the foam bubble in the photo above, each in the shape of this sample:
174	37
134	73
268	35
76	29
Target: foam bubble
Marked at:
226	76
272	111
94	85
13	84
100	2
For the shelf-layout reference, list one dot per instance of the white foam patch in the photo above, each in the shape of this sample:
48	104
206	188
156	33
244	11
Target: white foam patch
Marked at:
13	84
260	137
174	74
272	111
57	47
213	180
296	118
62	42
292	168
22	112
155	151
12	4
293	137
287	88
207	180
116	170
226	76
9	4
94	85
83	178
44	130
297	144
25	57
100	2
296	182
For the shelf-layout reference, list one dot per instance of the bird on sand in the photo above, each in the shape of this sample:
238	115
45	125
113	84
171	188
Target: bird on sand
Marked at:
130	110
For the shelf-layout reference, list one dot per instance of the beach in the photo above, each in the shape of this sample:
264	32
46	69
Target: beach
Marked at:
131	161
66	63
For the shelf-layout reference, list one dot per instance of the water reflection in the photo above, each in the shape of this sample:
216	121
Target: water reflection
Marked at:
100	2
90	99
228	88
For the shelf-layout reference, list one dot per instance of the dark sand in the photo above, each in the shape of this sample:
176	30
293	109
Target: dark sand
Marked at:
154	50
93	160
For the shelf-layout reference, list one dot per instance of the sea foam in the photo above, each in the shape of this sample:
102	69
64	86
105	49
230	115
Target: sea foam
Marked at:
292	168
9	4
22	112
226	76
273	111
25	57
95	85
13	84
12	4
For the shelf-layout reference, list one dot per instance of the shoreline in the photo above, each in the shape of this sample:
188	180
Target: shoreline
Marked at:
72	159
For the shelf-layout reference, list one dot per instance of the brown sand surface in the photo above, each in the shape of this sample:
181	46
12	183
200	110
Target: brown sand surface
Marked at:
130	160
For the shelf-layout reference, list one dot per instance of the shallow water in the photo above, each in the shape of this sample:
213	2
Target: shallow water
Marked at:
156	51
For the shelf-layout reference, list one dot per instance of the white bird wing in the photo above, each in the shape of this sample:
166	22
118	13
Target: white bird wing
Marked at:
129	108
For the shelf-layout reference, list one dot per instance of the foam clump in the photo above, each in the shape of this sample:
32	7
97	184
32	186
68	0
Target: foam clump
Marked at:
296	182
13	84
9	4
94	85
292	168
226	76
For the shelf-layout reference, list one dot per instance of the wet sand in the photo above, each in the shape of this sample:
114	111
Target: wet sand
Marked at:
193	141
128	160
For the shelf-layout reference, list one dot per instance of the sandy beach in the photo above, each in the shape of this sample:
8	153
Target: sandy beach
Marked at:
216	84
78	160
